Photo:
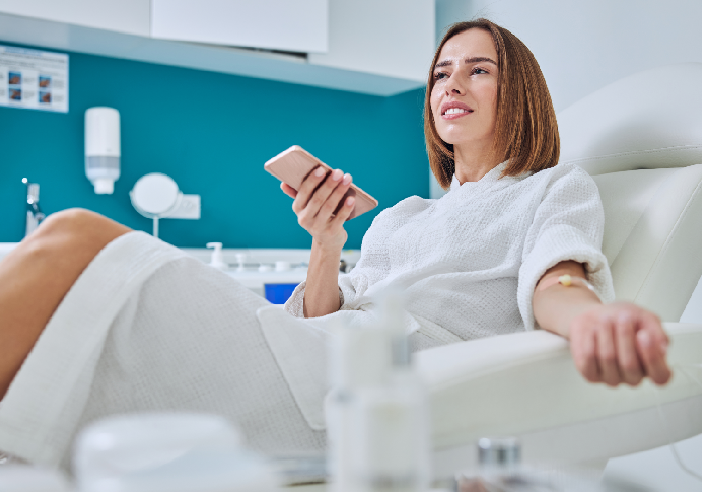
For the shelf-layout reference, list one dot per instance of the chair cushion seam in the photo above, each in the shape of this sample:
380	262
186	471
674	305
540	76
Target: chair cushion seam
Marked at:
636	152
643	212
668	239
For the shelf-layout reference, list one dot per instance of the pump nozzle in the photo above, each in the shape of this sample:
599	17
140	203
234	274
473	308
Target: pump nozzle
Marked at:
217	257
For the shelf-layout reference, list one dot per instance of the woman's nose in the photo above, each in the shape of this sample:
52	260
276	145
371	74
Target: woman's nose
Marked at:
454	87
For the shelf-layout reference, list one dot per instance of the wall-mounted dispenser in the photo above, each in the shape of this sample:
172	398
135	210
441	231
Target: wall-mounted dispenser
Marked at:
156	196
102	148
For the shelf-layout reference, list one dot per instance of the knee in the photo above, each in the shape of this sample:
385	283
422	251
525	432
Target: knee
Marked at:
66	221
74	228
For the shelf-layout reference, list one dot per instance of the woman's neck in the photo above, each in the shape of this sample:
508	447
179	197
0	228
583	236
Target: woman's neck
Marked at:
470	165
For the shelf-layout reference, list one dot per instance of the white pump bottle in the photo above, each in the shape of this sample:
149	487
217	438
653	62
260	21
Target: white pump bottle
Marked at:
102	148
217	260
378	420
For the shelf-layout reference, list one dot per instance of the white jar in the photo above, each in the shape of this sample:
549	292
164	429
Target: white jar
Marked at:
20	478
167	452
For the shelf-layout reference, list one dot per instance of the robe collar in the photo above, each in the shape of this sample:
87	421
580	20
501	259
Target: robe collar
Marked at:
490	177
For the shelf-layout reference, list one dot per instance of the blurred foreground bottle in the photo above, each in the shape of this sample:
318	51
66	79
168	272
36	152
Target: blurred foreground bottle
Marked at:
500	470
378	422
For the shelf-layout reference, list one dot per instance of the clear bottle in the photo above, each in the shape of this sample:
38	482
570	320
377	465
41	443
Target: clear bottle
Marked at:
390	418
358	359
499	461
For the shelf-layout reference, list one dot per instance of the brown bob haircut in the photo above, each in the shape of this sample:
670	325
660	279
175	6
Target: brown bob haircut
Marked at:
526	131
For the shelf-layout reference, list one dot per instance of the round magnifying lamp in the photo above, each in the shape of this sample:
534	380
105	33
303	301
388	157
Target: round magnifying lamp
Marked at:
156	196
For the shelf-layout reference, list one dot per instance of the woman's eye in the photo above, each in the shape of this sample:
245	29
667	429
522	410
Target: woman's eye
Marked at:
477	70
440	75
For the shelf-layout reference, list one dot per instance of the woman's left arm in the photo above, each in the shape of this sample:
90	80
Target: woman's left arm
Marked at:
612	343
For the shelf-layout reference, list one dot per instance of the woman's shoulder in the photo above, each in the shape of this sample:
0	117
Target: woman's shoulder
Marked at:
565	175
563	170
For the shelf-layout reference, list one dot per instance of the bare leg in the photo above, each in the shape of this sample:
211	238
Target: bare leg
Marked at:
35	277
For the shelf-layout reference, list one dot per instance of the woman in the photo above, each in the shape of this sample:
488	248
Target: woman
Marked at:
97	319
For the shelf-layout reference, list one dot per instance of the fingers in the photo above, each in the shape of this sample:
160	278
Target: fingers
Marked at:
582	347
652	343
288	190
627	355
345	211
333	202
607	352
307	189
325	197
323	192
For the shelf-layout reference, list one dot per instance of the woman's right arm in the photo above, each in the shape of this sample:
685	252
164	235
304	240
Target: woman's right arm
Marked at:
316	202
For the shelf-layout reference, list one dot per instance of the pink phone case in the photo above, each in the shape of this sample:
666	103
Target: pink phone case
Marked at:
293	165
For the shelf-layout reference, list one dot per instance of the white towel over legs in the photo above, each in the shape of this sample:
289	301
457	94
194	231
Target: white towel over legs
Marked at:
146	328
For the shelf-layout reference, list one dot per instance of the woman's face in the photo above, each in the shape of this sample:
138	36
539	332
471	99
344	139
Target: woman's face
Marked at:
464	98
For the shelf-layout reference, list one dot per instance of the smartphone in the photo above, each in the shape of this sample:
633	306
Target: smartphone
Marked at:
295	164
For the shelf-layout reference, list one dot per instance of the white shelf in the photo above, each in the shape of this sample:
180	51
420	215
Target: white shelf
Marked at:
32	31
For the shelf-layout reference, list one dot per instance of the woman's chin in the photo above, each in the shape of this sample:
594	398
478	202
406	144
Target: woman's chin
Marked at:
464	136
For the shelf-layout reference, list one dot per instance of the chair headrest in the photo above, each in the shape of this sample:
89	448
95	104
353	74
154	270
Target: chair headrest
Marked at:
651	119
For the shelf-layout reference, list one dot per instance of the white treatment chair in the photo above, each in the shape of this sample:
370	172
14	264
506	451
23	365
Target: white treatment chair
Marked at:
641	140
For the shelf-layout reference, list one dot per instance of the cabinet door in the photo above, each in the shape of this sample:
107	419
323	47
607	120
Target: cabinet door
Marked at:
393	38
127	16
286	25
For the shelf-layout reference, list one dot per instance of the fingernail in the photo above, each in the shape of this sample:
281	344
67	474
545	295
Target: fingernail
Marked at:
347	178
337	174
644	338
319	172
349	201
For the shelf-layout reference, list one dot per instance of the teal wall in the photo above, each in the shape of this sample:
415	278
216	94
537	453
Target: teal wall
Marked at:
212	133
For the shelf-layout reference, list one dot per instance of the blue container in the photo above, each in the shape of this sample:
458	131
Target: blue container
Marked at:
279	293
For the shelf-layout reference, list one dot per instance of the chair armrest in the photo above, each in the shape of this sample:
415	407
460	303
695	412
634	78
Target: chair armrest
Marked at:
526	382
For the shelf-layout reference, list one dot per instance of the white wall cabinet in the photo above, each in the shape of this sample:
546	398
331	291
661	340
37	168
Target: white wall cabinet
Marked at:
380	47
392	38
287	25
126	16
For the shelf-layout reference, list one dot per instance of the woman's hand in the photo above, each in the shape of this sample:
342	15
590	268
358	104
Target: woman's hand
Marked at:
610	343
619	343
321	208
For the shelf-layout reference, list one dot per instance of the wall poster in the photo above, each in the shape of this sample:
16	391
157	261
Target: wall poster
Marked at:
32	79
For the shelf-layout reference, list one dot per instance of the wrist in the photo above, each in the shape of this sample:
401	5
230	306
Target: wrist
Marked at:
557	306
573	312
328	248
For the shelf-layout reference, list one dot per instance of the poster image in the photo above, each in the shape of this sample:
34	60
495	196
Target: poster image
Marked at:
33	79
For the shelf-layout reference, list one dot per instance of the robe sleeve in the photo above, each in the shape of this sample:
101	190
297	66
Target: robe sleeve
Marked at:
294	303
372	266
568	225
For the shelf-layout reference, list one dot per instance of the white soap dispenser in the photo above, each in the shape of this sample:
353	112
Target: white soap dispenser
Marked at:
217	260
102	148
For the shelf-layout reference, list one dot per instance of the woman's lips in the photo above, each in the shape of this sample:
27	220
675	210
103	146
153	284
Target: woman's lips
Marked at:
453	116
454	109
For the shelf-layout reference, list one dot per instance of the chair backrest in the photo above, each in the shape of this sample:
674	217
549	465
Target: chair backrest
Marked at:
641	140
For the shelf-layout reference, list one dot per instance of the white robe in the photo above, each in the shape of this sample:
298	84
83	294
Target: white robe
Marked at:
147	328
469	262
